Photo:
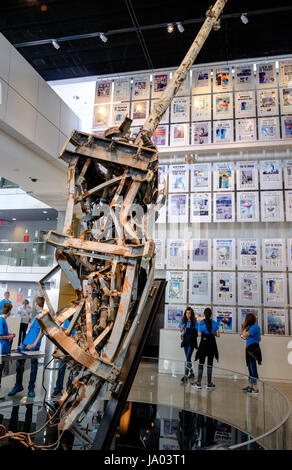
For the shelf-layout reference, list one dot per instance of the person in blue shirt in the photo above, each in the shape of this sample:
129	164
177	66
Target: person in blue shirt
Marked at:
251	332
62	369
6	300
208	329
31	342
189	332
5	336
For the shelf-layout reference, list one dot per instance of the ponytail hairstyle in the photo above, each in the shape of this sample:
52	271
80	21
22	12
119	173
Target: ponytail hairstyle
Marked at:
208	315
192	319
250	319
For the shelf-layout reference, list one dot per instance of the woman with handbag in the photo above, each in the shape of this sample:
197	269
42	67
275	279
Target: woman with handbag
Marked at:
251	332
208	330
189	332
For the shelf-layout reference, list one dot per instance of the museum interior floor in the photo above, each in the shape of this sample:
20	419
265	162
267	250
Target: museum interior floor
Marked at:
227	402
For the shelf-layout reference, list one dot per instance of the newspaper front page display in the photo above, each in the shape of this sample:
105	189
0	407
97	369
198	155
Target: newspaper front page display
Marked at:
269	128
286	127
165	117
200	253
201	133
246	130
176	254
178	178
201	82
223	176
201	210
286	100
135	131
288	174
201	110
245	104
225	317
274	254
101	116
200	287
272	206
184	89
159	254
224	207
247	176
201	177
271	174
179	135
162	176
222	80
224	254
276	321
289	251
224	288
285	73
161	214
288	205
243	311
178	208
173	315
120	112
223	132
141	87
176	288
103	91
160	136
248	207
243	77
249	288
159	84
268	102
222	106
180	109
122	89
199	312
275	289
266	75
248	254
140	111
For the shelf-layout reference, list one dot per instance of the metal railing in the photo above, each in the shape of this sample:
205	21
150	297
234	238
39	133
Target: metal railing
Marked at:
26	254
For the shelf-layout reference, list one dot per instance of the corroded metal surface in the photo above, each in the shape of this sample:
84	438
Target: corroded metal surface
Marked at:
112	180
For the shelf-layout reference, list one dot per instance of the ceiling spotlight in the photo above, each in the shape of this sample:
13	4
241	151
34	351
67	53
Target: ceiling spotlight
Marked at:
56	44
170	27
103	37
13	218
180	27
244	18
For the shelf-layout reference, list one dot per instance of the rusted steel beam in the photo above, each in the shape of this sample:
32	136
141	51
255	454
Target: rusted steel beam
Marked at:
179	76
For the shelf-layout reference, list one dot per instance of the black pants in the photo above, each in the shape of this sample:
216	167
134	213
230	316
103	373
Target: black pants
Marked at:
22	332
209	368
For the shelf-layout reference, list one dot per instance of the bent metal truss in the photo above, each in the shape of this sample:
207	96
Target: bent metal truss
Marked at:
113	179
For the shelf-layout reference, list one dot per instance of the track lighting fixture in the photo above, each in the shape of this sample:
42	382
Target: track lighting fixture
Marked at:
56	44
180	27
244	18
103	37
170	28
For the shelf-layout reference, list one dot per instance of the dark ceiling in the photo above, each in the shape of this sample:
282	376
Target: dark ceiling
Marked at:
267	33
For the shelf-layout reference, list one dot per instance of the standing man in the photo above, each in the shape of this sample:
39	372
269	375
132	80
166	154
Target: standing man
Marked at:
32	342
6	300
5	337
25	314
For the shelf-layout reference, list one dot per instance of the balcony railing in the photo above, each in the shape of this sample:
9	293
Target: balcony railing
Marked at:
25	255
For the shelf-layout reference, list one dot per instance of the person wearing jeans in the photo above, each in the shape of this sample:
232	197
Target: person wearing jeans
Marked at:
32	342
189	332
62	369
208	329
251	332
5	336
25	314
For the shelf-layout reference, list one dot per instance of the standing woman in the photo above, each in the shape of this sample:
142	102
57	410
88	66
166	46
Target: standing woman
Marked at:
251	332
208	329
189	332
25	314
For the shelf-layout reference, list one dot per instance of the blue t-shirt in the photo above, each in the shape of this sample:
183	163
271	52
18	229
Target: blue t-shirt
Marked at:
66	324
203	327
33	333
195	326
3	301
4	343
254	334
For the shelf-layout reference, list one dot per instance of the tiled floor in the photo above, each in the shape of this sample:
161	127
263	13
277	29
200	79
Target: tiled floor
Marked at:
227	402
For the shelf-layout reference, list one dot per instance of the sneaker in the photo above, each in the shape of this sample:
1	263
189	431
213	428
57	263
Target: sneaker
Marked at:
210	386
16	389
197	385
191	376
253	391
247	389
31	394
184	379
56	394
